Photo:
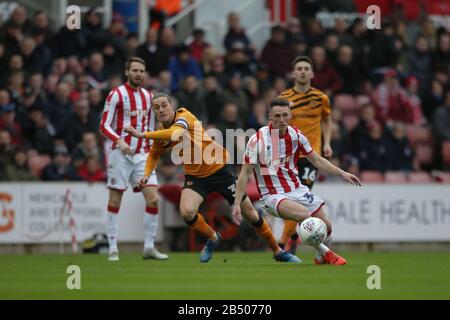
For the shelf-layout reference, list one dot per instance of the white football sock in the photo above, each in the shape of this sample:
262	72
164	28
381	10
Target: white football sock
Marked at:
150	227
321	250
327	242
112	229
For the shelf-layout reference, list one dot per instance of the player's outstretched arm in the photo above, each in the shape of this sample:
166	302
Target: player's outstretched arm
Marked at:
325	165
240	191
172	134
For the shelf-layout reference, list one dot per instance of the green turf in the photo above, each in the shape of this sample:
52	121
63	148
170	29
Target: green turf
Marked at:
227	276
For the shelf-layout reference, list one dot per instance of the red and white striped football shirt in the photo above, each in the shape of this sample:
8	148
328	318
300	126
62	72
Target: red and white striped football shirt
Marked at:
126	106
275	159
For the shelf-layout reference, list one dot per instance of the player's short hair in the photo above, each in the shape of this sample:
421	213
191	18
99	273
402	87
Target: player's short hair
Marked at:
279	102
161	95
134	59
302	59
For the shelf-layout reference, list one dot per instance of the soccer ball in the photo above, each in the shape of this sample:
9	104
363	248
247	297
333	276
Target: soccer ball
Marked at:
312	231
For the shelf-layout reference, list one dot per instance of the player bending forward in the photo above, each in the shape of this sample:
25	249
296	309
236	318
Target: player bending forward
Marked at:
201	177
272	154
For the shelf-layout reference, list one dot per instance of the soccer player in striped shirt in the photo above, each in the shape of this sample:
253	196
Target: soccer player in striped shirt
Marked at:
206	171
311	111
271	155
129	105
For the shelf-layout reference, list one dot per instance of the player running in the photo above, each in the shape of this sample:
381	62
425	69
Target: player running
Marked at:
271	154
206	171
129	105
310	110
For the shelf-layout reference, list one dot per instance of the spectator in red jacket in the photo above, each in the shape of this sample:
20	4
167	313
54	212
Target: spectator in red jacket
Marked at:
91	170
198	45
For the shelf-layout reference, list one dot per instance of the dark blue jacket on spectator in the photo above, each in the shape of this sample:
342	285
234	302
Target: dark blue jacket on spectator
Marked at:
179	71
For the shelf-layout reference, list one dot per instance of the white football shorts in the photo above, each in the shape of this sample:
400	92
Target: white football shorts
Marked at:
300	195
124	169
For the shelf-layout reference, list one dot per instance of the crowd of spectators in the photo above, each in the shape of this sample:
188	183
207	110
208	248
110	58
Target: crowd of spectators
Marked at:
53	84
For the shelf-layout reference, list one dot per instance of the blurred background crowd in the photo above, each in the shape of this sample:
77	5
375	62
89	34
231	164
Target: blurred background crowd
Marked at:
389	88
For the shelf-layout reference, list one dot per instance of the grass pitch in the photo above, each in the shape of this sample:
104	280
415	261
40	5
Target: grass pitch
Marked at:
226	276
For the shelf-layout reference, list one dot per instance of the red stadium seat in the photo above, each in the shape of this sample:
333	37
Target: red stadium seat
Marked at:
442	177
371	177
350	121
417	134
446	153
424	154
346	103
420	177
37	163
395	177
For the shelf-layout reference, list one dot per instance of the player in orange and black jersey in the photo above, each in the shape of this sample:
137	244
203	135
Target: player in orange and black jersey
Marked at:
206	171
311	111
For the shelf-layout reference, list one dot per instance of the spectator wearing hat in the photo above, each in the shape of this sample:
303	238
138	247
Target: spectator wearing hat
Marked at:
183	65
61	168
277	54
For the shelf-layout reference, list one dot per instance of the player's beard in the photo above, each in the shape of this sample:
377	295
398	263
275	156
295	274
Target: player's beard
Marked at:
135	83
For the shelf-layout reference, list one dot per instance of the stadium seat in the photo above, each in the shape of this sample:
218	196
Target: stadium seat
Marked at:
361	100
446	153
424	154
420	177
350	121
417	134
371	177
346	103
442	177
37	164
395	177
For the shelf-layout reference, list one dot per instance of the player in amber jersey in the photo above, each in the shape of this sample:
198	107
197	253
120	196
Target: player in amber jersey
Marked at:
206	171
310	110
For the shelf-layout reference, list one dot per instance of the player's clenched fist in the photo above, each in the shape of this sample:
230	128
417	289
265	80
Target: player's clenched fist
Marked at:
133	132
